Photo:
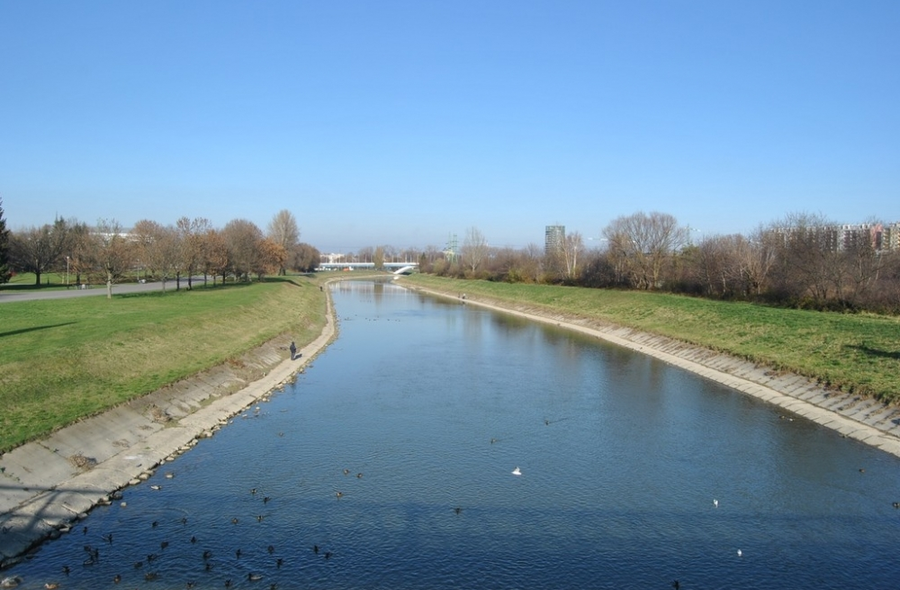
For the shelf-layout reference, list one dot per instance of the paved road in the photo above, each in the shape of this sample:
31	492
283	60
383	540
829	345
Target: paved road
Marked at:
7	296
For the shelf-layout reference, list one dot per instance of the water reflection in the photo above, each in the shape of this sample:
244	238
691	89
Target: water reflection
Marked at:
388	465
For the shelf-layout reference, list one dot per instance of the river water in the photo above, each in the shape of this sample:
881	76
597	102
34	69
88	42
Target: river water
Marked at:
389	465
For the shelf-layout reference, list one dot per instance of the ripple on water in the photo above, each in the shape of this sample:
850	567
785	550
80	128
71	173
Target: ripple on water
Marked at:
621	457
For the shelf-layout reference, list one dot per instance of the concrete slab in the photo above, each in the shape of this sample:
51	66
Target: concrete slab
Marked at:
12	494
19	533
889	445
48	507
808	392
37	467
98	438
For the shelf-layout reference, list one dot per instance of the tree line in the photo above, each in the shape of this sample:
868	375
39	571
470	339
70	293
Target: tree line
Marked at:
803	261
190	248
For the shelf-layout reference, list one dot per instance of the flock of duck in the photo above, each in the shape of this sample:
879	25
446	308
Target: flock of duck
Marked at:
150	568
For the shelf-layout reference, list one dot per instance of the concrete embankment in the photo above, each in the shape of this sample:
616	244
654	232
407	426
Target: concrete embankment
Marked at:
864	419
48	485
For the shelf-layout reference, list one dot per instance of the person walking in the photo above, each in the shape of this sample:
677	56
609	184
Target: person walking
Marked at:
293	348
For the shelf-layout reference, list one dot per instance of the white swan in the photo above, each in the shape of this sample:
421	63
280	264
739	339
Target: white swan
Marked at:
715	503
517	471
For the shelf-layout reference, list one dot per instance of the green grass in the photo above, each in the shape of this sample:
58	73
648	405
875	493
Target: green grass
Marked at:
853	352
61	360
25	281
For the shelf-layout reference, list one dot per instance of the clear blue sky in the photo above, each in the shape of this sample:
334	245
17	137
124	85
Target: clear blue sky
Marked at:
402	122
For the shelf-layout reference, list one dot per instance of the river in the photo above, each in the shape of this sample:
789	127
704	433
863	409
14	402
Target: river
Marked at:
390	463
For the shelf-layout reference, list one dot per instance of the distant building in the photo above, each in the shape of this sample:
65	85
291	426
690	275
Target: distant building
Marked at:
853	235
554	238
839	238
891	238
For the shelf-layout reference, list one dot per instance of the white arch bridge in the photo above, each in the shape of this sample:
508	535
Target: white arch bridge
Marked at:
397	268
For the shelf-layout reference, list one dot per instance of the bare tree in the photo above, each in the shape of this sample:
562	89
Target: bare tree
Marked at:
5	272
283	231
378	258
80	249
862	265
641	244
189	234
308	257
366	254
475	249
113	253
572	247
533	262
156	248
807	256
761	256
38	249
719	263
242	240
214	255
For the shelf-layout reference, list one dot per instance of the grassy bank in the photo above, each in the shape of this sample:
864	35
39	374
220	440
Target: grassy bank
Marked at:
61	360
857	353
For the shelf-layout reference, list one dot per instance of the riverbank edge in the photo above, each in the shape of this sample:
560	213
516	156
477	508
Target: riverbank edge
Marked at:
863	419
47	486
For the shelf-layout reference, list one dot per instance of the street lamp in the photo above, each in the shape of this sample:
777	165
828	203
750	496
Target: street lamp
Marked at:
67	271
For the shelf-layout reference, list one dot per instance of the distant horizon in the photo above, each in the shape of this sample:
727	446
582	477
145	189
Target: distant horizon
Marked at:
401	123
460	235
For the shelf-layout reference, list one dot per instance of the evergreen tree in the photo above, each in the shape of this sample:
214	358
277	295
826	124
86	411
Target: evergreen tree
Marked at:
4	248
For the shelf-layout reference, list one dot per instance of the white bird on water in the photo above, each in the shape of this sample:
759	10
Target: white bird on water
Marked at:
739	553
715	503
517	471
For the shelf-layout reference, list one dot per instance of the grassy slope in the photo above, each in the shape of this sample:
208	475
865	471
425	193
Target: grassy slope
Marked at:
61	360
854	352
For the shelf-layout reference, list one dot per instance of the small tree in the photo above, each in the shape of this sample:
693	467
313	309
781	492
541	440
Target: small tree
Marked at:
378	258
155	248
572	247
641	244
113	253
214	255
80	244
5	272
189	238
475	249
38	249
283	231
242	238
270	259
308	257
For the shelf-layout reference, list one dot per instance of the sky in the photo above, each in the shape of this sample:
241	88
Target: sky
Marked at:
403	123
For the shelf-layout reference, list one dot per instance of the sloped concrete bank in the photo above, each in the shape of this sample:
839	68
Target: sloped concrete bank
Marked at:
46	486
864	419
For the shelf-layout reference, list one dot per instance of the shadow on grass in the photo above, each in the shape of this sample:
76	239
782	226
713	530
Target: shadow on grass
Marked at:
869	351
172	291
19	287
34	329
